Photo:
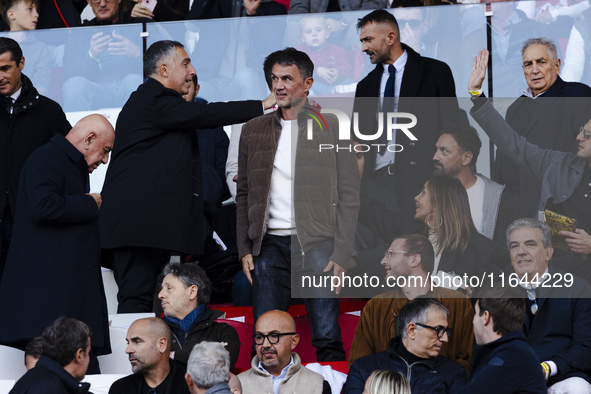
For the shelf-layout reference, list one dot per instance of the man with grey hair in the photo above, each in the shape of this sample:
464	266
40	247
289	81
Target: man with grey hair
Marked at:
154	372
153	197
415	352
546	115
565	177
184	298
552	296
208	369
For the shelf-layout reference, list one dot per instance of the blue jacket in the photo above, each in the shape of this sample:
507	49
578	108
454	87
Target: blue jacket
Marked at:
507	365
436	375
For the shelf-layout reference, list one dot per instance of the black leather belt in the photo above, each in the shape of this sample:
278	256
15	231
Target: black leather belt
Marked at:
385	171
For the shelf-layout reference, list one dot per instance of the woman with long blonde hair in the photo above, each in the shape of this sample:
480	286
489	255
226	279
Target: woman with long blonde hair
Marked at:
443	207
386	382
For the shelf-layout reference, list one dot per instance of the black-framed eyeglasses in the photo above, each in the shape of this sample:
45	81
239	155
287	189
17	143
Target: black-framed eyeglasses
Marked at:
586	133
390	253
440	330
531	295
273	337
152	391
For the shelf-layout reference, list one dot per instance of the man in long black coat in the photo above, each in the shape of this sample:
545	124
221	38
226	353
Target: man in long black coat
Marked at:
27	121
53	267
153	200
425	88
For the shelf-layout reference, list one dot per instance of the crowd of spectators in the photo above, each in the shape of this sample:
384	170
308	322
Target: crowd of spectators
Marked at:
411	211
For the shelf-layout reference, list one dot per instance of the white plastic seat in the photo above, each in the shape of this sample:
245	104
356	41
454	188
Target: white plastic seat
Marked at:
12	363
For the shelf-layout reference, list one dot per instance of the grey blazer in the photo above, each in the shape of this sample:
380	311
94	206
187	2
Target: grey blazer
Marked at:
559	172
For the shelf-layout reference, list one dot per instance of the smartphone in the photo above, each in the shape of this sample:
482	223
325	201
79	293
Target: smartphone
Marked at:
150	4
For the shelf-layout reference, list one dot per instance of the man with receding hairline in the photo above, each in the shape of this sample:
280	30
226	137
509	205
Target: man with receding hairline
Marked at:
548	114
276	368
153	189
415	352
148	347
55	239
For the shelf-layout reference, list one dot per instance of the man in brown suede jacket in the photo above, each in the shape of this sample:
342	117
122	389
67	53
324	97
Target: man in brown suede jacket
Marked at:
310	228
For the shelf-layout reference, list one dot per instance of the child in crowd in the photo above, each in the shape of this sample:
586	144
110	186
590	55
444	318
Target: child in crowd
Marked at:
22	15
331	63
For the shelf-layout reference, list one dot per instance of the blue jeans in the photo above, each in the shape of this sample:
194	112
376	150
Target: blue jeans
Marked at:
272	287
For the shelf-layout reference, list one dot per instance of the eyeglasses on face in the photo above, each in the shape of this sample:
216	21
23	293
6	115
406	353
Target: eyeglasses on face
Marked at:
390	253
273	337
440	330
586	133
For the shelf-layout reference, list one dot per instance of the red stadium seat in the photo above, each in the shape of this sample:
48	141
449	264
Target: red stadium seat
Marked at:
244	331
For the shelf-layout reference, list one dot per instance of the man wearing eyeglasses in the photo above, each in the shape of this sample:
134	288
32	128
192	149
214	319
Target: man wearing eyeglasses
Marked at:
276	368
557	321
423	329
565	177
411	256
503	360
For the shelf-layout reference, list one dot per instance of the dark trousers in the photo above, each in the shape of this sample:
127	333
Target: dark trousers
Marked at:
136	271
272	288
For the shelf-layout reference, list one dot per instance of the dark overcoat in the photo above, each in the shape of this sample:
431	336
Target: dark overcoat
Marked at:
428	91
53	265
33	121
152	196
